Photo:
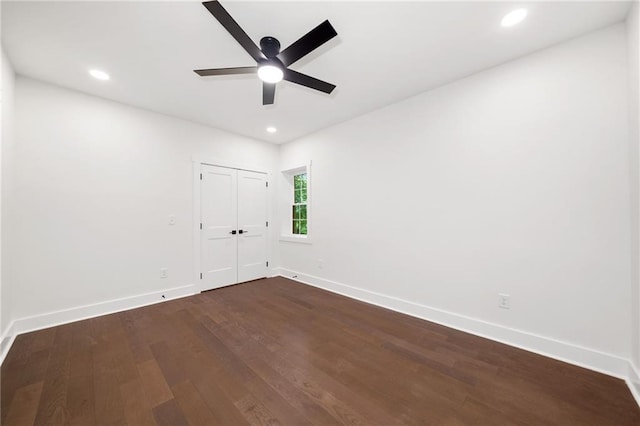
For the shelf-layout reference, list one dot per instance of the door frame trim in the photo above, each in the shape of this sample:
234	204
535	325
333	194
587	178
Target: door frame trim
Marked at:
197	162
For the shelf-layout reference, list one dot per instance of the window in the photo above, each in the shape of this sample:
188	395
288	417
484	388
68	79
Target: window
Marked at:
296	224
299	207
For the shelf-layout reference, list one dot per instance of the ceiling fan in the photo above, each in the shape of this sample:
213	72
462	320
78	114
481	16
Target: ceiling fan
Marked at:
272	64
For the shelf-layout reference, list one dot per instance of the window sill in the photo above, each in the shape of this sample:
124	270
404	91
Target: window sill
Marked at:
295	239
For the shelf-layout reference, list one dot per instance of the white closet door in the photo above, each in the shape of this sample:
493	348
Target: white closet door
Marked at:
219	215
252	225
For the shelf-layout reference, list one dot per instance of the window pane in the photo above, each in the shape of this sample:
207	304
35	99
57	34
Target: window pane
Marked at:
300	181
299	209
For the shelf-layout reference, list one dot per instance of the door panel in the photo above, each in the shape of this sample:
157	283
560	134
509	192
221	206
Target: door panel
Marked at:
252	218
232	201
219	247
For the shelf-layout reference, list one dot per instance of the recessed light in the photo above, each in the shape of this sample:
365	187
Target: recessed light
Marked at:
271	129
99	75
514	17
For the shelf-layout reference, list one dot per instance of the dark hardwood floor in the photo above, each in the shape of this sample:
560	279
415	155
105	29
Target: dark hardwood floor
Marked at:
278	352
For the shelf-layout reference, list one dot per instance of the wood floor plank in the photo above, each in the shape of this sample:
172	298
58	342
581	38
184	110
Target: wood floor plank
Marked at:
36	367
53	406
223	409
254	411
278	352
169	414
154	384
235	378
194	408
109	406
29	367
308	409
24	405
168	363
80	395
137	409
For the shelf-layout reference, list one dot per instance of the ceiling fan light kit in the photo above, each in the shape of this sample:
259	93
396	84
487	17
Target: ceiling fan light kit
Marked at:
270	73
272	64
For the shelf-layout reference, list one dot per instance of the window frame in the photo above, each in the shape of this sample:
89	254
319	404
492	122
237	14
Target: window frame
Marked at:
288	201
300	204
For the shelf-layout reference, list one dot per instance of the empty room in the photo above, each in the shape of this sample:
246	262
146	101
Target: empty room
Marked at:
320	212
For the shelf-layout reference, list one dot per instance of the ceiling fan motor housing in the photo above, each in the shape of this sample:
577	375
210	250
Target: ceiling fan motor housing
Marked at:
270	46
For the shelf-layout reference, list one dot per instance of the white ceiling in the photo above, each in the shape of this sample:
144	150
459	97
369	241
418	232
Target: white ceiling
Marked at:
384	52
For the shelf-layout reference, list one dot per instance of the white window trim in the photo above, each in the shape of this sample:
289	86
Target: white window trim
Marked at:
285	227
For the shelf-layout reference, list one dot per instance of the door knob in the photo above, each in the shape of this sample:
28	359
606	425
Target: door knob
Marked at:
243	232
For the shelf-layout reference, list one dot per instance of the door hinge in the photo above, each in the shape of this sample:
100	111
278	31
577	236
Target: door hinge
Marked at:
267	224
200	176
200	225
267	184
200	275
267	263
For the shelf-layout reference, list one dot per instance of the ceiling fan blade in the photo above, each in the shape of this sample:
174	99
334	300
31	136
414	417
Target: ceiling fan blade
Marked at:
308	81
268	93
307	43
226	71
234	29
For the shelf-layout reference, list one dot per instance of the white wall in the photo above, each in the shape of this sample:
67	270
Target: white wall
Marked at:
6	104
633	48
514	180
95	182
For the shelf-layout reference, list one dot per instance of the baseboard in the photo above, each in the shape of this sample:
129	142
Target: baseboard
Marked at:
52	319
567	352
8	336
633	381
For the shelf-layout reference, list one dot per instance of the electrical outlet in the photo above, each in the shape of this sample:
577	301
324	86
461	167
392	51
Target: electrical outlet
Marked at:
164	272
504	301
172	219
